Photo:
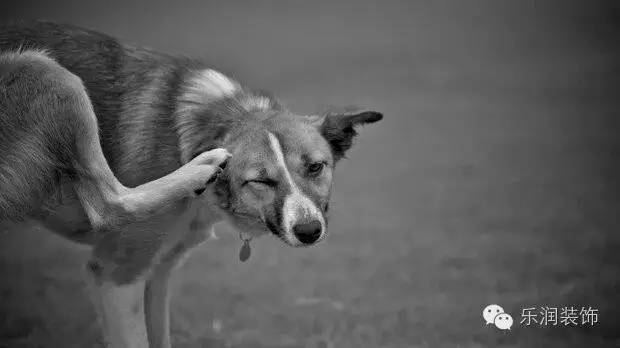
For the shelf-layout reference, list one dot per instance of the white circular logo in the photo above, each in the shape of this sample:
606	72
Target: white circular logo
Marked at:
490	312
503	321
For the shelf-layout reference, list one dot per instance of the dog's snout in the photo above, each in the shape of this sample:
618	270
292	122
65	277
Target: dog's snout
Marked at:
308	232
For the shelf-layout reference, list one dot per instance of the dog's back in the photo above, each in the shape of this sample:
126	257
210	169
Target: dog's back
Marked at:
96	58
131	89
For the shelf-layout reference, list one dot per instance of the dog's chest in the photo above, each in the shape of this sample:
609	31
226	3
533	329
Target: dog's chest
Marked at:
193	227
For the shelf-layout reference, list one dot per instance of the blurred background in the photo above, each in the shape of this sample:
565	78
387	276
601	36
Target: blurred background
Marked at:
494	177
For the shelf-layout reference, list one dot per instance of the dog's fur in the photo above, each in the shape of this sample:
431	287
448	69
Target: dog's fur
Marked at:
117	146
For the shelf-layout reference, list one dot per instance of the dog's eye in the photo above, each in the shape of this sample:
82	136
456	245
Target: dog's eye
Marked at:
315	168
262	182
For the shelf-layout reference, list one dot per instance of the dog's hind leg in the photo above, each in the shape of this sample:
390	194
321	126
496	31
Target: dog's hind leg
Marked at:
48	129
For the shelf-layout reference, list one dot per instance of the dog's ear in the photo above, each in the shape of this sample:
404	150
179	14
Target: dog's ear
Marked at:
338	128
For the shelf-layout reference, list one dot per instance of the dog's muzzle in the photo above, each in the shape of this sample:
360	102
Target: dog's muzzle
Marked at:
303	222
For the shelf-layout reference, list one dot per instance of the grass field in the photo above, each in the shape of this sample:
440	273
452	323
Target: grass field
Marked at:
494	178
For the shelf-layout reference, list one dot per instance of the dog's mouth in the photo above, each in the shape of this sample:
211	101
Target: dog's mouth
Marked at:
258	225
247	218
250	223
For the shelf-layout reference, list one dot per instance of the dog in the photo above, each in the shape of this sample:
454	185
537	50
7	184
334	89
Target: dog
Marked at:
138	154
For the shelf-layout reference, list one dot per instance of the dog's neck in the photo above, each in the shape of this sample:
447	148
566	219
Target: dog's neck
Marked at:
209	106
210	214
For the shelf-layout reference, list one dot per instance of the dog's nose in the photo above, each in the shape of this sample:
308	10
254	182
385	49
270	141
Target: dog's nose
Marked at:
309	232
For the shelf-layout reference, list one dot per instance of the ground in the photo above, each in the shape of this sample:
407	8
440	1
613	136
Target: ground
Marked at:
492	179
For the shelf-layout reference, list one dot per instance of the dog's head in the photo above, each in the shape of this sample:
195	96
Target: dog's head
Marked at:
279	178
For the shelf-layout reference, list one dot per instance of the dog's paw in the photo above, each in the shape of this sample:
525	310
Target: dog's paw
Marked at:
216	161
216	157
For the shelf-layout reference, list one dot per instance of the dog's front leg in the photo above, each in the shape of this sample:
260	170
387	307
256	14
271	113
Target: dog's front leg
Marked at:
120	264
156	302
120	309
157	297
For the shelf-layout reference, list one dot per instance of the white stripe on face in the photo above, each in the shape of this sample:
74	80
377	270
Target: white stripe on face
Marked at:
296	205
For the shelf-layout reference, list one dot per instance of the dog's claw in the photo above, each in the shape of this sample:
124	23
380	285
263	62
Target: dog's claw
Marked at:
215	175
225	162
